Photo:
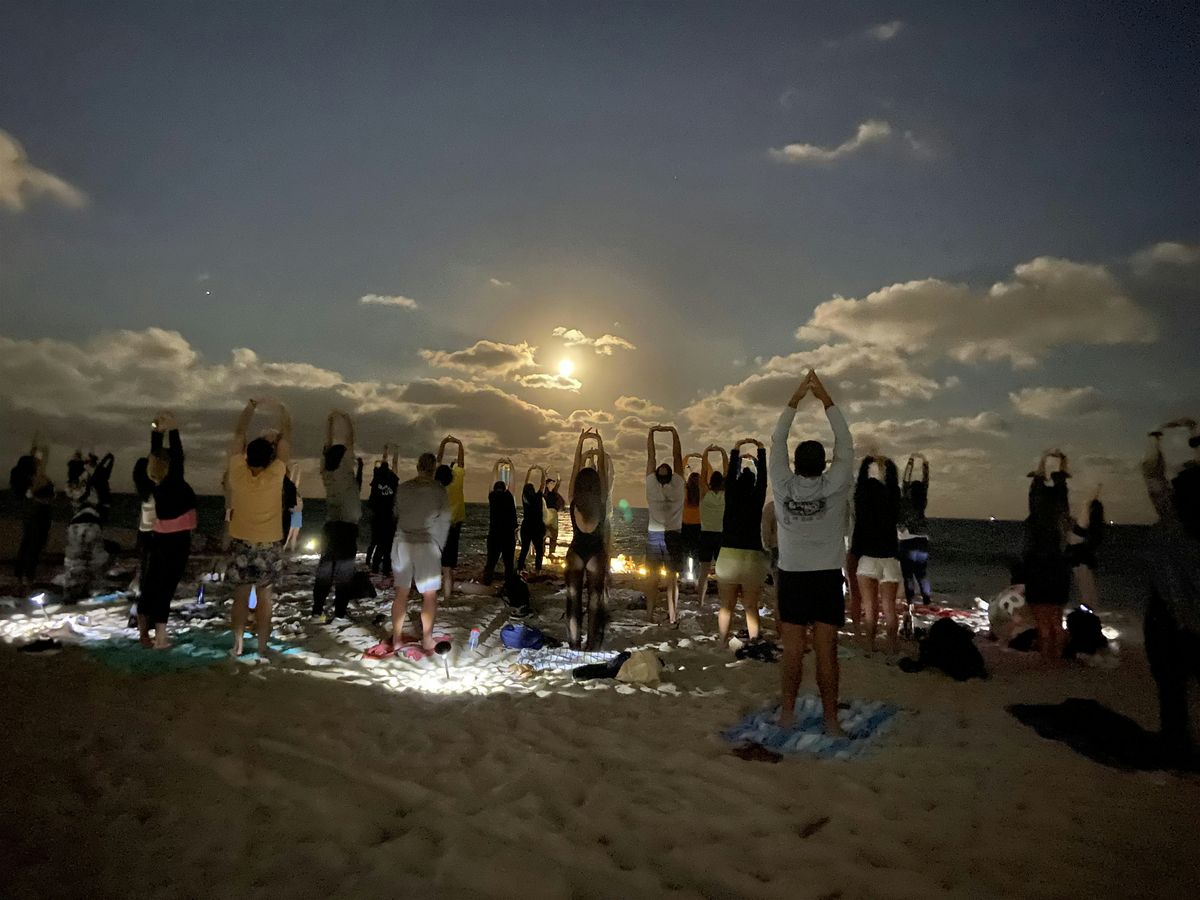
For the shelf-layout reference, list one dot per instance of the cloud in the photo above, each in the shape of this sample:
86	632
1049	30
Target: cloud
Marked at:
1166	253
1048	303
388	300
1057	403
548	381
484	358
884	31
982	423
604	345
872	131
637	406
21	181
788	96
496	282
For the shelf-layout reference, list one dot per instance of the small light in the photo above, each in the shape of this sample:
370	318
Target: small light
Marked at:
39	599
565	368
641	570
311	545
1109	632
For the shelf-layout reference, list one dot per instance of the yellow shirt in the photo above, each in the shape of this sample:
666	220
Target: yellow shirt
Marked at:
256	501
458	501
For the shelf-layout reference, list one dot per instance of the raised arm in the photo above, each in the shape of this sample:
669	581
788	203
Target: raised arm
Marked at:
841	468
603	470
237	445
676	451
576	465
283	449
651	462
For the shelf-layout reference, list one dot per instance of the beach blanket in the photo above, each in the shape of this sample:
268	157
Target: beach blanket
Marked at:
560	659
863	721
191	649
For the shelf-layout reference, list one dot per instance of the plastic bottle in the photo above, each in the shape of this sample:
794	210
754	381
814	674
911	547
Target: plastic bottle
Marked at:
200	595
473	641
253	597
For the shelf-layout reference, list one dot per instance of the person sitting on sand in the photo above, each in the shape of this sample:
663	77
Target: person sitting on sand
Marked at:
453	478
1172	624
255	486
341	474
913	531
1047	569
29	482
665	496
712	516
587	555
742	565
810	507
876	511
533	520
85	557
502	532
174	521
553	502
422	525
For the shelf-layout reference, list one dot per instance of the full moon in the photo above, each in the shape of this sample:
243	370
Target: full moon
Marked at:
565	368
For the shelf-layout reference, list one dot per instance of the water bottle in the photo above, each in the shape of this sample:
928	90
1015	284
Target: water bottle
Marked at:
253	598
473	641
200	595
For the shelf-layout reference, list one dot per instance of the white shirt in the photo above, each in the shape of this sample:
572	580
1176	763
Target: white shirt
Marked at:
665	502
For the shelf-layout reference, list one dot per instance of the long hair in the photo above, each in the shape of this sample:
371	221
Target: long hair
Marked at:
693	489
588	495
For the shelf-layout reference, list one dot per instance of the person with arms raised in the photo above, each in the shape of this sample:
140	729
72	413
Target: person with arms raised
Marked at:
665	496
341	474
422	524
810	512
452	477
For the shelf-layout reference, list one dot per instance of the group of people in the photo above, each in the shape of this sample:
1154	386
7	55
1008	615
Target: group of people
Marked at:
823	535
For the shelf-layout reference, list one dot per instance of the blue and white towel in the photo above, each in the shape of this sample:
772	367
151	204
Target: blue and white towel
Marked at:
561	658
863	721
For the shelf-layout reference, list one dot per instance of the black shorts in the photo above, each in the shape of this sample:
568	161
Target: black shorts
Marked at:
664	549
691	540
808	597
1047	581
710	546
450	551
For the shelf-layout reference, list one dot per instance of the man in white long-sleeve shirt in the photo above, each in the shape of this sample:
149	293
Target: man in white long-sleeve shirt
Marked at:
422	524
810	510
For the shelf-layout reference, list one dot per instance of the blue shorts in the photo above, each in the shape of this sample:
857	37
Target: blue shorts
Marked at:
297	518
665	550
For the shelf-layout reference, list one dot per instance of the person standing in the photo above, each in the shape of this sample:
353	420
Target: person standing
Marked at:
453	477
341	474
293	509
810	507
742	565
1047	567
29	482
382	503
913	531
712	517
422	525
587	556
174	521
85	558
665	494
553	502
502	532
254	481
875	543
533	520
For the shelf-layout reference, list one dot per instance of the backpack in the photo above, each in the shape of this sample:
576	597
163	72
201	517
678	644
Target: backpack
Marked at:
520	636
949	646
1084	633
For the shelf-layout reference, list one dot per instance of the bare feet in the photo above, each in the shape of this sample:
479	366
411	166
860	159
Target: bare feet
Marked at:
144	640
834	730
787	719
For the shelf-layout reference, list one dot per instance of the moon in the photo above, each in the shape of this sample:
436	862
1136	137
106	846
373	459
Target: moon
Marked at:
566	368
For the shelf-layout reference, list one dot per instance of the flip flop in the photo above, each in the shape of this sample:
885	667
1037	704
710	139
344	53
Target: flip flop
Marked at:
414	652
382	650
416	638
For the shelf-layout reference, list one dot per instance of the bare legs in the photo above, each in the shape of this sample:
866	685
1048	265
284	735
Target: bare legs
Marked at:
795	643
591	577
875	594
265	596
703	573
652	588
855	593
729	596
1051	637
447	582
429	606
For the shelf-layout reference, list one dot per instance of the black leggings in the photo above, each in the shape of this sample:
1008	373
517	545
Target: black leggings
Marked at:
537	540
379	551
590	573
164	570
34	534
500	547
1174	655
336	567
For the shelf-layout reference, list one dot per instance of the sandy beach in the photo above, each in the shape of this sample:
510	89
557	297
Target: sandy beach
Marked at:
324	774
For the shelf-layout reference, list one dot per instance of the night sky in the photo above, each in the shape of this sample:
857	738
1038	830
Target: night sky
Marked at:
980	223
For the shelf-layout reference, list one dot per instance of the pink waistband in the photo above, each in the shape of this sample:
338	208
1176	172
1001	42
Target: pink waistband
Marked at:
186	522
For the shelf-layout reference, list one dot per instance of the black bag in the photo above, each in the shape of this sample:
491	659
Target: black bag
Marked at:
516	593
1084	633
361	587
950	646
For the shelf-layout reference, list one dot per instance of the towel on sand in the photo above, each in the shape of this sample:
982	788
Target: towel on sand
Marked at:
862	720
191	649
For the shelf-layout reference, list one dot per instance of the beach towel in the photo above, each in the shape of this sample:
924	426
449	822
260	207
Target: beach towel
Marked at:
559	659
862	720
192	649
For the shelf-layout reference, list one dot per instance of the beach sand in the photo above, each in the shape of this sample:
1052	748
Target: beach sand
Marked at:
326	775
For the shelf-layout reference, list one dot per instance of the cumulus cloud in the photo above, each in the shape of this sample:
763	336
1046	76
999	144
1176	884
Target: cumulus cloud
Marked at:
484	358
1048	303
22	182
982	423
388	300
604	345
884	31
637	406
872	131
1166	253
548	381
1057	403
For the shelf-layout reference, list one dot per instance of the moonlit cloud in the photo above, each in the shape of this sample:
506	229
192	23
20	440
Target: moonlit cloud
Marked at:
549	381
496	282
1048	303
484	357
1166	253
873	131
388	300
22	182
884	31
604	345
637	406
1057	403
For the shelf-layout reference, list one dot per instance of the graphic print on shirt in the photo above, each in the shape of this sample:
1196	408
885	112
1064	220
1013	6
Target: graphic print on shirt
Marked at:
806	509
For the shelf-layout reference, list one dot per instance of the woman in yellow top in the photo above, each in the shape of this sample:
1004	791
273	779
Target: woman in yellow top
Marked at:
255	491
